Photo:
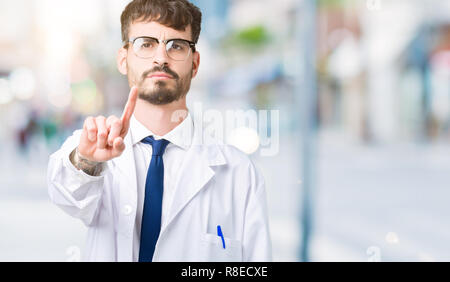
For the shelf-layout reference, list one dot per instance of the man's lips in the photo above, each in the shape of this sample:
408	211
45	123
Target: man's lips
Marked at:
159	75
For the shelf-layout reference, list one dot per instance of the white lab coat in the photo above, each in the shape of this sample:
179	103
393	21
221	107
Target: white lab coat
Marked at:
217	185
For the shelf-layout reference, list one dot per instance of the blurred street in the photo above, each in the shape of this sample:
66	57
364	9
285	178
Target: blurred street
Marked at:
33	229
391	198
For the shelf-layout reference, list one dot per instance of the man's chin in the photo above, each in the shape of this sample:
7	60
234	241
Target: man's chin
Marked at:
158	97
156	92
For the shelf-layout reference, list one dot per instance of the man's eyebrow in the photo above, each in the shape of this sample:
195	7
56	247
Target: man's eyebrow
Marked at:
172	38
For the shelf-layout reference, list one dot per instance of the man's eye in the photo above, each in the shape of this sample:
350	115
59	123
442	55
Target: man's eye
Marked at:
146	45
177	46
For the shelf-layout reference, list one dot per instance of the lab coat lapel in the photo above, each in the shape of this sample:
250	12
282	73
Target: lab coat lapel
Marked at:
196	171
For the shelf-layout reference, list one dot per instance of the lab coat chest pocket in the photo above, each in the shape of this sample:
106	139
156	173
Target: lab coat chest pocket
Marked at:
212	248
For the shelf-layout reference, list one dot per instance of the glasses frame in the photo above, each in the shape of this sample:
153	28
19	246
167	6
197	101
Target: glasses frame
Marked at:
133	39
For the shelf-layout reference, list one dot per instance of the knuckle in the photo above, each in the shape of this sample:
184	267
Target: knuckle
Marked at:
110	120
101	123
91	125
88	121
117	123
102	135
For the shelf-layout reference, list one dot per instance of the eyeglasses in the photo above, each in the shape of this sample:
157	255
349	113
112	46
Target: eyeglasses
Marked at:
177	49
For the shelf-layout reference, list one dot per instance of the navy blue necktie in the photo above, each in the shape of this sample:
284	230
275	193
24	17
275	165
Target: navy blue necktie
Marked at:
151	216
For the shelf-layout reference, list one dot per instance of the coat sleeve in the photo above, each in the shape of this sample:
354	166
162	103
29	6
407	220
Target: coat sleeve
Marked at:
256	240
74	191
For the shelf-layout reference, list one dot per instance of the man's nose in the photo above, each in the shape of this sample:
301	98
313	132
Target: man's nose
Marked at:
160	56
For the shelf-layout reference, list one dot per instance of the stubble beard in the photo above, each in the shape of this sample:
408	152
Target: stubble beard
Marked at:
160	92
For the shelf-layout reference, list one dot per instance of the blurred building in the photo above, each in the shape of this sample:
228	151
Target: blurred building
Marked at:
376	69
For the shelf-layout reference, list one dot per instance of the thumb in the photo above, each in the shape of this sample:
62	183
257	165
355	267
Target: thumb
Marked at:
118	146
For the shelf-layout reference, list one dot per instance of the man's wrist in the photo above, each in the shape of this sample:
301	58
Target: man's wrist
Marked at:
92	168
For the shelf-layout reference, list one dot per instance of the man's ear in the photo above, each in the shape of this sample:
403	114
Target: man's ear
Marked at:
122	60
195	63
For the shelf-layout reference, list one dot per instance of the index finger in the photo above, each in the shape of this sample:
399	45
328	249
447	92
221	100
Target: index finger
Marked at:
131	104
129	108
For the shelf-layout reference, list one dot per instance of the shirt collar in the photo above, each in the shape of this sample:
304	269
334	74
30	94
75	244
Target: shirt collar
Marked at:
180	136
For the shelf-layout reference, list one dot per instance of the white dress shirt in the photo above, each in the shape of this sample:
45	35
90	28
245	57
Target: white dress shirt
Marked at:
180	140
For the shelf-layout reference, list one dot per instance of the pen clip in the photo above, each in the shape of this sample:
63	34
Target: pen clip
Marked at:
220	234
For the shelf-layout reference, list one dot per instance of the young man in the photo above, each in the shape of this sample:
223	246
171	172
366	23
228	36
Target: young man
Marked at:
149	186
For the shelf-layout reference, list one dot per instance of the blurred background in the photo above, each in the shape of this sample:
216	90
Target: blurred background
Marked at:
362	90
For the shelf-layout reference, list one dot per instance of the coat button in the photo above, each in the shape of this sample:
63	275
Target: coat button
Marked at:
127	209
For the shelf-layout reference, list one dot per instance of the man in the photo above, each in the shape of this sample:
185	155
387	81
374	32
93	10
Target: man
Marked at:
148	185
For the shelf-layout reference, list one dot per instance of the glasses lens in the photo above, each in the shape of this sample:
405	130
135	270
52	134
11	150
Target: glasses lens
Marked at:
178	49
145	47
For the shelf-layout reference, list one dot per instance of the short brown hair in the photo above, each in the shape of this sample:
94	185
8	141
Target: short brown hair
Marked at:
176	14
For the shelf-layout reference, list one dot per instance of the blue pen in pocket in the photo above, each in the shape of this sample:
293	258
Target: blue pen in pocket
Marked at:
220	234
